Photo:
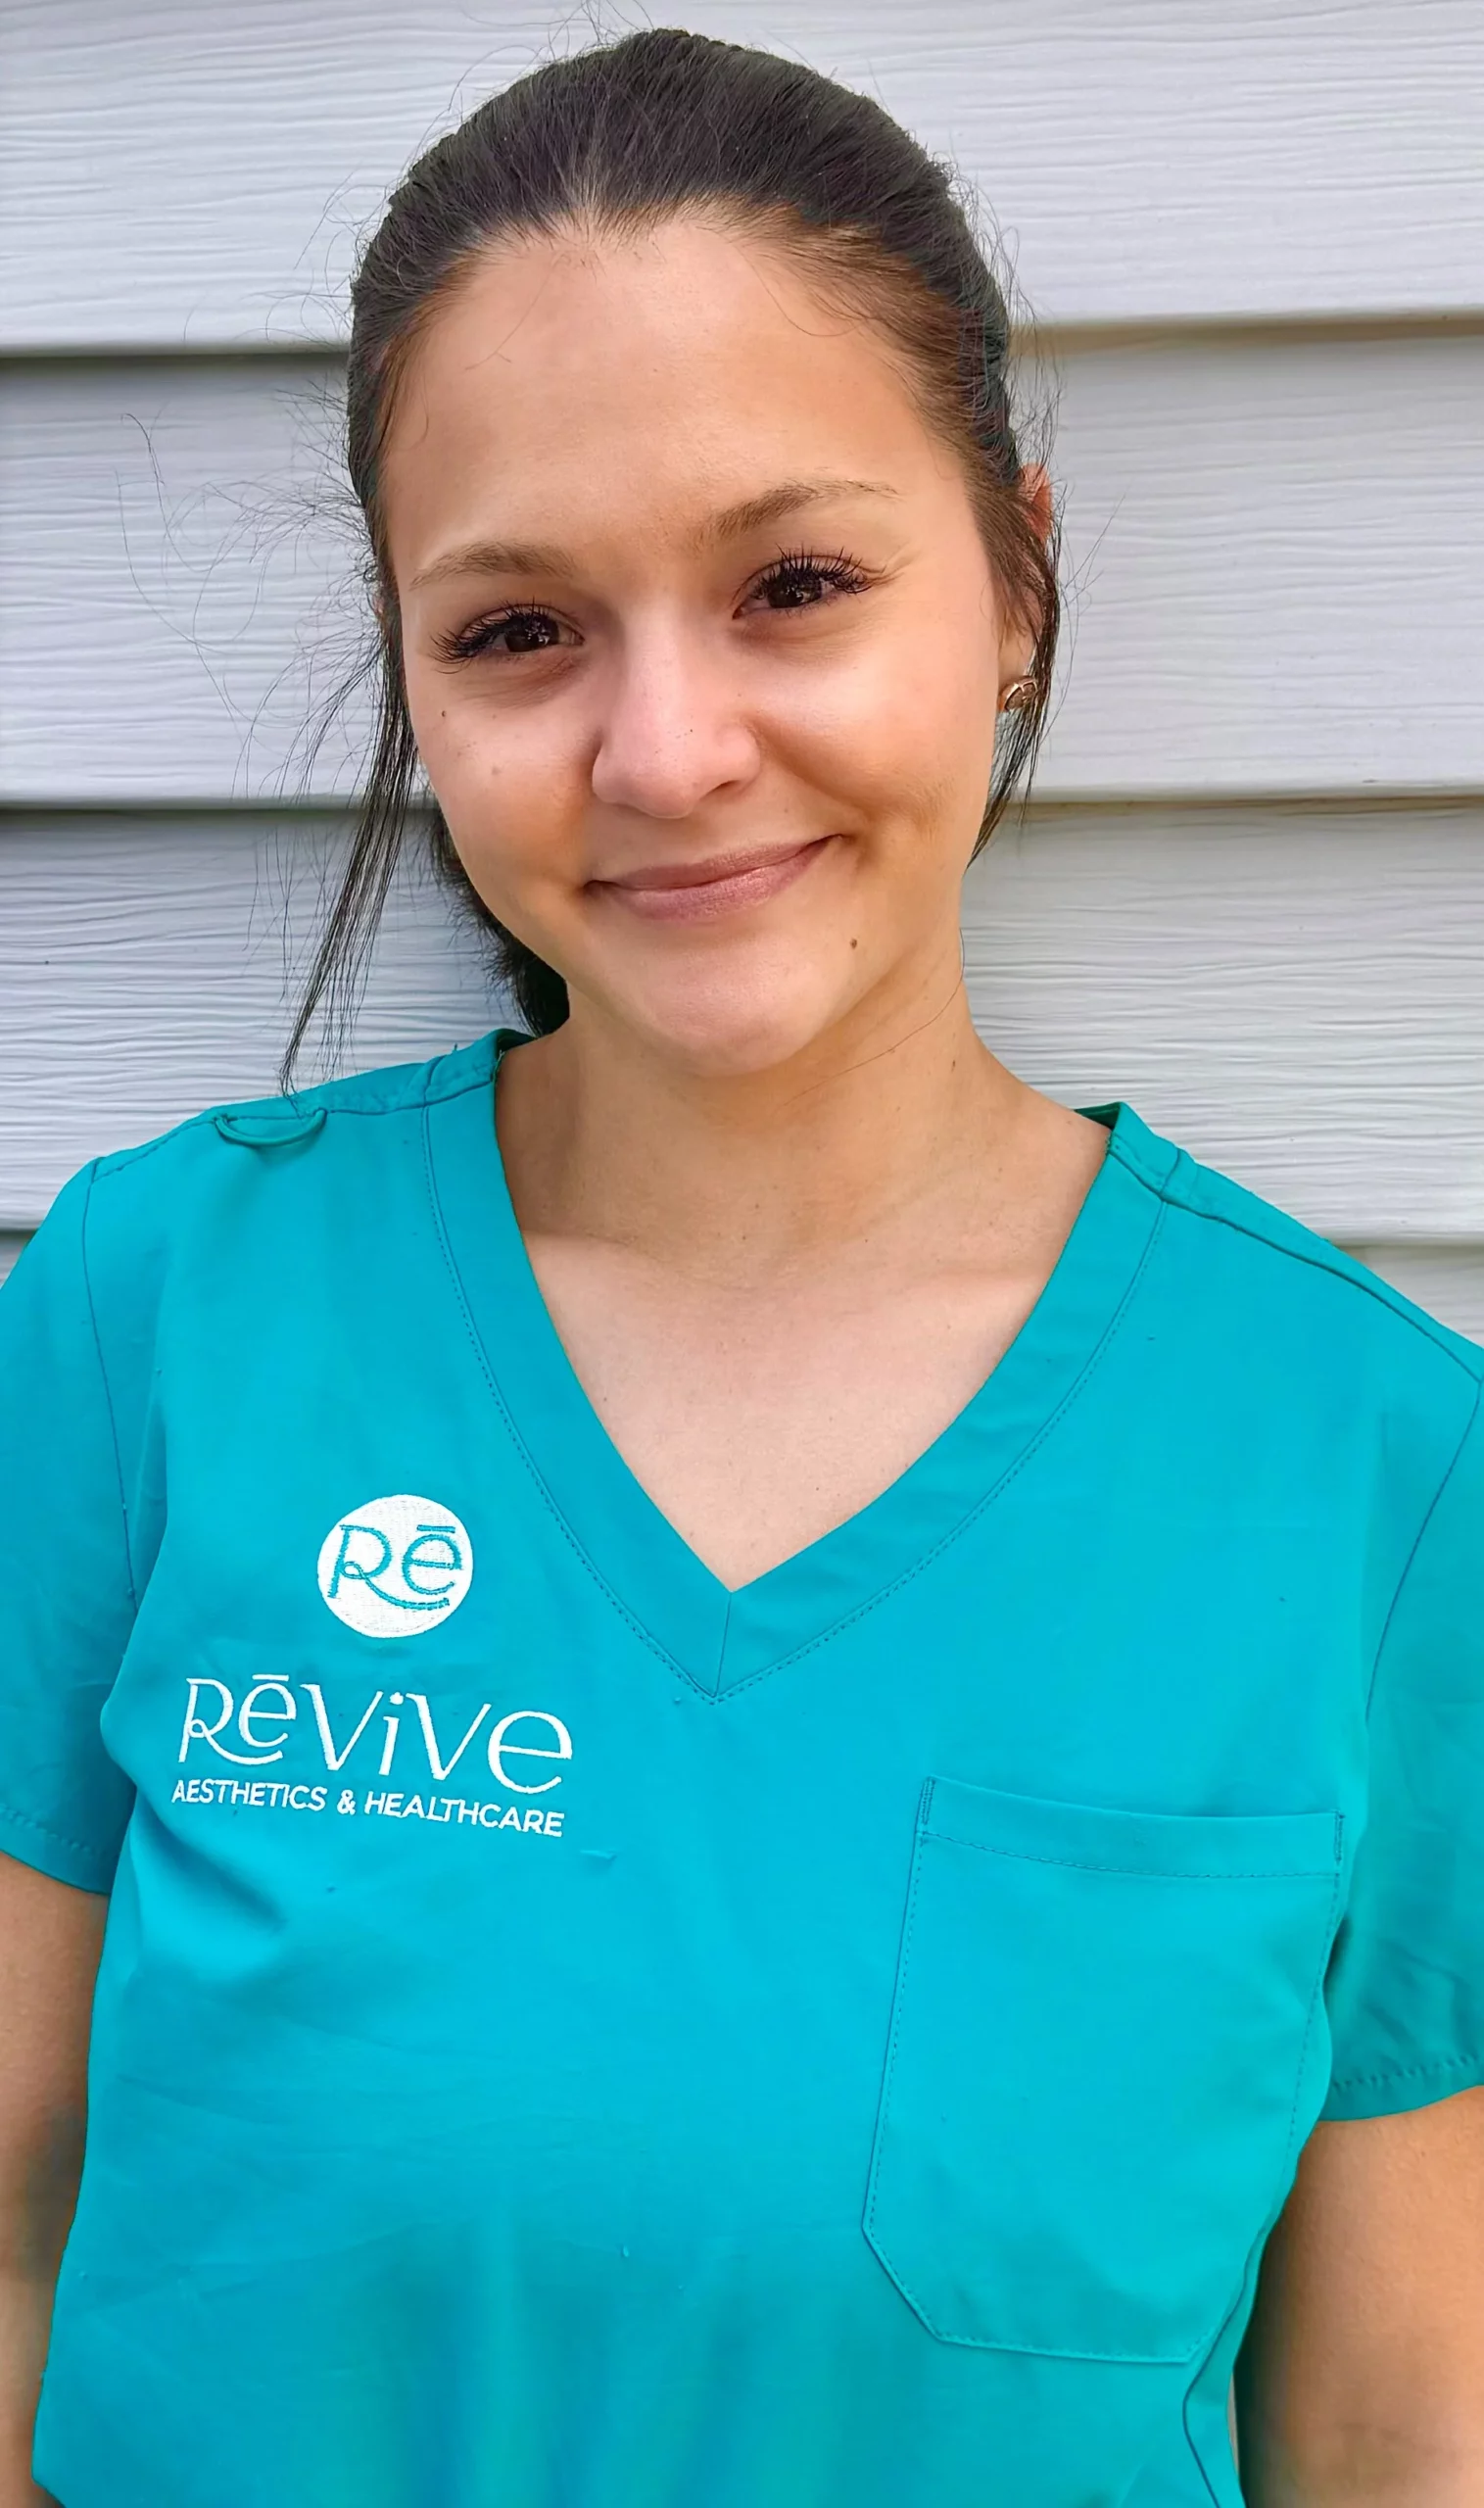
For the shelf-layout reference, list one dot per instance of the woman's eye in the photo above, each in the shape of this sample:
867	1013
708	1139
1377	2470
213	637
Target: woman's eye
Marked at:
799	581
507	635
796	580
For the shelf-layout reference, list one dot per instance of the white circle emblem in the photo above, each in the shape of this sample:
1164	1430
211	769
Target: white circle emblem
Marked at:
396	1567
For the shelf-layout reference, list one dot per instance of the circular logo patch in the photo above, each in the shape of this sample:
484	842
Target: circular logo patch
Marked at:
396	1567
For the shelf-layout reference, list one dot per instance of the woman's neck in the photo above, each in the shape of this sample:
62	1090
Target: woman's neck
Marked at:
886	1118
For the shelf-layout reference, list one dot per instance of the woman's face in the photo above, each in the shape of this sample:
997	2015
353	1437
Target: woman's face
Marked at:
702	648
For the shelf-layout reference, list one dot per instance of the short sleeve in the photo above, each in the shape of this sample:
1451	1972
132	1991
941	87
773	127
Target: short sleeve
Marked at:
1406	1983
67	1603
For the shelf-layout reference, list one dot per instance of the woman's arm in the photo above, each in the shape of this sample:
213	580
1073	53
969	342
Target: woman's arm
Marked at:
50	1938
1361	2383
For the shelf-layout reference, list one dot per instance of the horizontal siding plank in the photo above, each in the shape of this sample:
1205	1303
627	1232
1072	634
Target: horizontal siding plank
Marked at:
1274	551
180	585
147	971
1446	1280
11	1241
206	172
1294	996
1330	1055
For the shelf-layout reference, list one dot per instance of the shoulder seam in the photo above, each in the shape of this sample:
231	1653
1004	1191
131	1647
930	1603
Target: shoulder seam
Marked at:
1134	1163
413	1106
108	1397
1427	1516
1378	1289
116	1162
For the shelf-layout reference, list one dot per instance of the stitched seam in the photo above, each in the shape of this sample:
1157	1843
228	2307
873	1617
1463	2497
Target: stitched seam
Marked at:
43	1829
1378	1289
945	1541
1416	1546
1188	2399
1254	2259
897	2015
115	1161
1207	2339
118	1160
482	1360
963	2341
852	1617
1413	2072
1316	1993
412	1106
1152	1178
1135	1871
108	1399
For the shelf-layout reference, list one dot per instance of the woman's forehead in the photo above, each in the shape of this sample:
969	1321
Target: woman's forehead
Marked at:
684	364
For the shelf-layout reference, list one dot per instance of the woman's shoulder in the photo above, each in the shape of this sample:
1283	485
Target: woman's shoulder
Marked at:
1333	1278
1272	1331
296	1117
162	1184
121	1224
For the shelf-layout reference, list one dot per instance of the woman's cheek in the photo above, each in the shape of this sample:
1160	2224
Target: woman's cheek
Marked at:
451	732
494	795
518	844
875	728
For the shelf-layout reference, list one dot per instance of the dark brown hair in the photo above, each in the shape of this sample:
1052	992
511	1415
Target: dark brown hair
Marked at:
611	140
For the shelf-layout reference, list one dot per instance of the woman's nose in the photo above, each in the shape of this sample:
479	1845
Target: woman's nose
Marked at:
673	729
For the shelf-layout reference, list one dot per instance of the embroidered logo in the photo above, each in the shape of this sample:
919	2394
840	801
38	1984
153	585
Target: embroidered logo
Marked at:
396	1567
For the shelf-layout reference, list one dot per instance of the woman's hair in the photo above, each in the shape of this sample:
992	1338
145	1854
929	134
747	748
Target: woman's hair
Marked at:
612	141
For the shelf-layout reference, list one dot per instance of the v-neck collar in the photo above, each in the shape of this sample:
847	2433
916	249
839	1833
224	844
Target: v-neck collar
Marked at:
717	1637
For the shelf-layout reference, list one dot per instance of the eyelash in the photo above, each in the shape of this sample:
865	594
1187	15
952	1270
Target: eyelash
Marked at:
790	566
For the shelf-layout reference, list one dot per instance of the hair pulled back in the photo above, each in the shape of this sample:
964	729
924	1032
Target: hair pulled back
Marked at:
611	141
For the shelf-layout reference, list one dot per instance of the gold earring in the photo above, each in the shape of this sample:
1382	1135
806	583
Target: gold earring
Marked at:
1019	695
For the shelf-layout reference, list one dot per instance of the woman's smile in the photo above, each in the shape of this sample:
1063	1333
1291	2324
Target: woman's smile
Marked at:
703	892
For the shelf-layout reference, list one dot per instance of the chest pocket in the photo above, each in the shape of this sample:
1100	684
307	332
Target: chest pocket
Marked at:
1102	2026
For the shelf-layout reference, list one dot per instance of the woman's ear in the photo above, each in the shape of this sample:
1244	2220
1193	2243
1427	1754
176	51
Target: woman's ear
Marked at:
1020	634
1034	488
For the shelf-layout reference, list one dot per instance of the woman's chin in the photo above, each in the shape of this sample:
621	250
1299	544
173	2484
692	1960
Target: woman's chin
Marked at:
735	1027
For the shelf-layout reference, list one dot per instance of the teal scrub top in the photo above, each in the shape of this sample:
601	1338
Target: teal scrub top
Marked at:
571	2035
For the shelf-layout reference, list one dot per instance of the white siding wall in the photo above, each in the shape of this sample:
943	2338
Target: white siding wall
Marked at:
1250	897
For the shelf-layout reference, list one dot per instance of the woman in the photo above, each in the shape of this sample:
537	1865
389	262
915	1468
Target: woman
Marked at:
787	1744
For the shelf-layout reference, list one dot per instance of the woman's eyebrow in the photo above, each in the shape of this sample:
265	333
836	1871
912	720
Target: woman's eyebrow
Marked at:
733	522
788	497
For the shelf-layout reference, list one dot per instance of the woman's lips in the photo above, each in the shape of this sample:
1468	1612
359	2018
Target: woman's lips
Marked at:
701	891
